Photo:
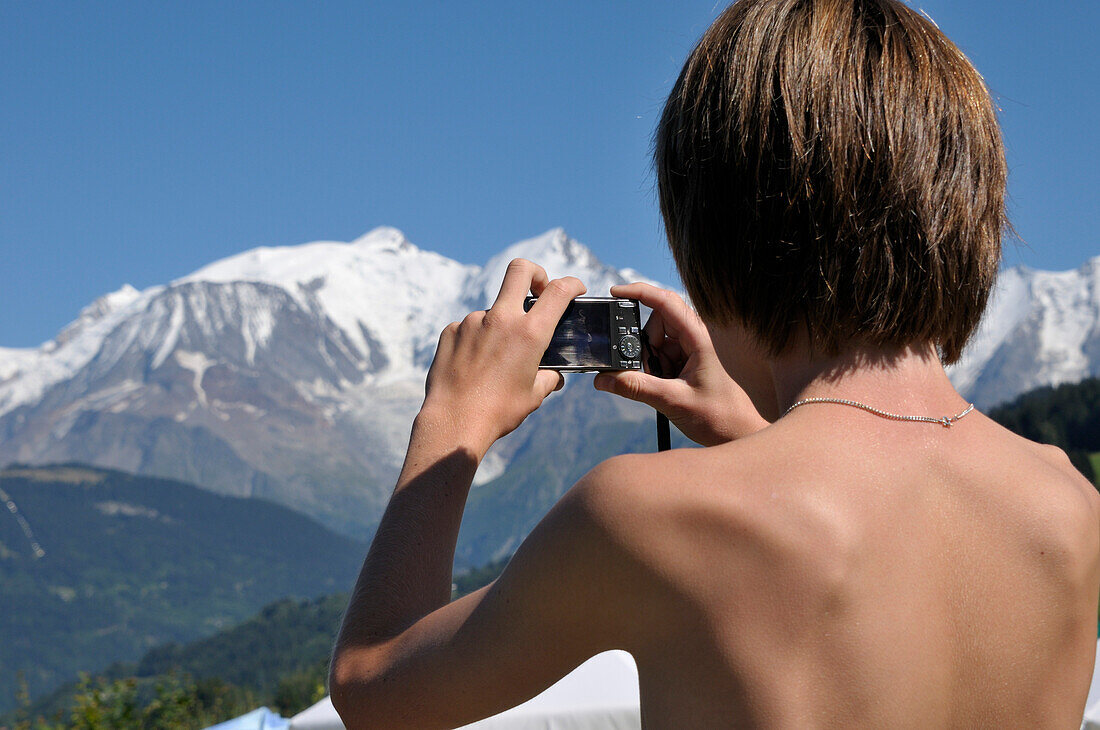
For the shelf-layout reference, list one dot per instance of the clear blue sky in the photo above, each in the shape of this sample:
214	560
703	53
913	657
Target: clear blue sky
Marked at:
141	140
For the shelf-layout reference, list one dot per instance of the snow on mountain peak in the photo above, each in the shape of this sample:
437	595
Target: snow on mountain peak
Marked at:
96	311
388	297
1091	267
390	300
385	237
26	374
553	249
1040	328
380	289
117	299
556	252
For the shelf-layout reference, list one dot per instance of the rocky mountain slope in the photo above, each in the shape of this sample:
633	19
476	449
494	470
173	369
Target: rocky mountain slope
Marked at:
1041	328
288	373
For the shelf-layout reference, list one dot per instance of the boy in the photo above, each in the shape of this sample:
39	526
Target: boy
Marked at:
855	546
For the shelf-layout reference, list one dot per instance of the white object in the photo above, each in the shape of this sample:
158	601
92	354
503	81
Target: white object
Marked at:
259	719
1091	720
601	693
321	716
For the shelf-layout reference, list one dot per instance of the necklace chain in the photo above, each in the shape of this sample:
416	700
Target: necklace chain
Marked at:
945	421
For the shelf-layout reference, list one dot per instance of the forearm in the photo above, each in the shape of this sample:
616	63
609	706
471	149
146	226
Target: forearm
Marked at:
407	572
473	396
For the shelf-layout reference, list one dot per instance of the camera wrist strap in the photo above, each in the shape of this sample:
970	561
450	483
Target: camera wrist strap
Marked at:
664	436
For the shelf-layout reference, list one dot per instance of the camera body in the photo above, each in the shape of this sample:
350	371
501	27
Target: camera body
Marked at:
595	334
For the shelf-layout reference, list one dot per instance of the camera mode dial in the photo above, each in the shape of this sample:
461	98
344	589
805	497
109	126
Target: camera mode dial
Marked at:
630	347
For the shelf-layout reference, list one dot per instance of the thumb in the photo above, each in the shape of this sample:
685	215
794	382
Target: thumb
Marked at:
658	393
547	381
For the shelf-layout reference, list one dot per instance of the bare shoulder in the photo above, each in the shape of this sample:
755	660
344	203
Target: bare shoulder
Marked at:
618	497
1043	490
1063	481
1060	460
645	504
1082	501
668	509
646	497
625	493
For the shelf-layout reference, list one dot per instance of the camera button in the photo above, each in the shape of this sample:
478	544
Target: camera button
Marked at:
630	346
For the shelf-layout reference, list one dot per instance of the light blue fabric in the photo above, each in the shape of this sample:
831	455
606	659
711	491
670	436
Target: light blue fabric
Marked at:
259	719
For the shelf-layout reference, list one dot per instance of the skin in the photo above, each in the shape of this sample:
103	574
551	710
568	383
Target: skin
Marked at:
829	568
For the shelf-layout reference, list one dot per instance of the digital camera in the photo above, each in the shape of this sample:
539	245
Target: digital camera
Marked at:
594	335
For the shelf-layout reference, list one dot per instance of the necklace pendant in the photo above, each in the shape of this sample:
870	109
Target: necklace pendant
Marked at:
946	421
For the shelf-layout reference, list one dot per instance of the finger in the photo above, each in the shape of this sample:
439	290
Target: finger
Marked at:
444	350
678	320
668	350
670	353
658	393
521	276
472	321
446	344
538	286
552	303
664	367
654	329
645	293
547	381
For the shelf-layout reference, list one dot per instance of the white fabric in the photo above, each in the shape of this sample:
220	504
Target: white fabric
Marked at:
259	719
601	693
1091	720
321	716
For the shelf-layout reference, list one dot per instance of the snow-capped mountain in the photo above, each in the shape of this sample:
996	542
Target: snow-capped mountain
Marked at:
1040	328
289	372
294	373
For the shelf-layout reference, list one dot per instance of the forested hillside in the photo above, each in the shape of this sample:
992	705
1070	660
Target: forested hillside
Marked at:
100	566
278	658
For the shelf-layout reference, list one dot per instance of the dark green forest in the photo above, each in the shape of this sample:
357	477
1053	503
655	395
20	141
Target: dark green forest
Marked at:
100	566
279	659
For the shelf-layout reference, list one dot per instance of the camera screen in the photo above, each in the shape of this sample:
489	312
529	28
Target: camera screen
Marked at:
582	337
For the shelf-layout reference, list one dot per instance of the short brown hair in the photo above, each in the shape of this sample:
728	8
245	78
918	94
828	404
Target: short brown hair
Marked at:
834	165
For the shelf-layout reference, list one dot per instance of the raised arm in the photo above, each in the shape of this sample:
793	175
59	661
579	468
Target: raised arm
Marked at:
405	657
562	598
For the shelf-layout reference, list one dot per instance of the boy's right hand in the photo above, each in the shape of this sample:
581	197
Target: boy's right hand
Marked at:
695	392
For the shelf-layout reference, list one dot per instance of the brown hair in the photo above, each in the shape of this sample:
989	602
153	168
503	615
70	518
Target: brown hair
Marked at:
834	165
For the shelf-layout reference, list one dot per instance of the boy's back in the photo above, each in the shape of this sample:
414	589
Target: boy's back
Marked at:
844	570
832	182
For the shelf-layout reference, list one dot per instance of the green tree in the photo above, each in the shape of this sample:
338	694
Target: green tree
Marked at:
103	705
299	690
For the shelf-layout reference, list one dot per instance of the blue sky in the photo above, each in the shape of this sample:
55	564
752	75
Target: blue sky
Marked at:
139	141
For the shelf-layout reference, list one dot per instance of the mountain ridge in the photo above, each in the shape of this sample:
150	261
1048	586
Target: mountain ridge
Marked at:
291	372
294	372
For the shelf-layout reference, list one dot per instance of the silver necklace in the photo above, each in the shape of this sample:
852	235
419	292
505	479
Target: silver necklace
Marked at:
945	421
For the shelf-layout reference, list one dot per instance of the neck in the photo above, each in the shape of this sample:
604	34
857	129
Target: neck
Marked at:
908	380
